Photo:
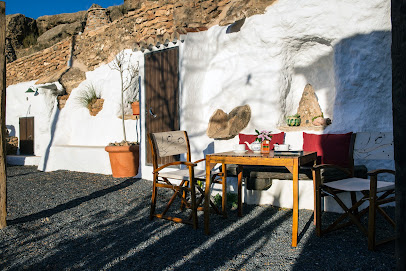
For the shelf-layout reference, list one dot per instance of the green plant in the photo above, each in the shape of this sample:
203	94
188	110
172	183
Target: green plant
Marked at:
263	135
89	95
322	116
232	200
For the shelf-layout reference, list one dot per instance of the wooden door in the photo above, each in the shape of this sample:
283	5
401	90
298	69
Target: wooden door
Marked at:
27	135
162	95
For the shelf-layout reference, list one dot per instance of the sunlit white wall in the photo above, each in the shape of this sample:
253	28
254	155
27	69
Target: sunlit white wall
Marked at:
341	48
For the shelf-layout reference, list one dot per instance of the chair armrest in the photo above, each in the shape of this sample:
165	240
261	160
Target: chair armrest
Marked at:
200	160
379	171
188	164
211	168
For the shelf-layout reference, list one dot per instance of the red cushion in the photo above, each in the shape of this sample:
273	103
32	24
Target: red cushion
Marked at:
276	139
330	148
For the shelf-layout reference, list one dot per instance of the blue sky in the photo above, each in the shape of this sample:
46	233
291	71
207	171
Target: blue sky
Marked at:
35	9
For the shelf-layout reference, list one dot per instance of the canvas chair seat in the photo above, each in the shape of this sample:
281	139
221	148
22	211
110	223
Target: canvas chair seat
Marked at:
183	174
358	185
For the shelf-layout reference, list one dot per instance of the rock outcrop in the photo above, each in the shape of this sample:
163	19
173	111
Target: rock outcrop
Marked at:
60	32
10	53
72	78
47	22
22	31
309	107
226	126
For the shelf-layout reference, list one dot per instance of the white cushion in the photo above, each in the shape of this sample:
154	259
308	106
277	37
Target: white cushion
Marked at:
358	184
183	174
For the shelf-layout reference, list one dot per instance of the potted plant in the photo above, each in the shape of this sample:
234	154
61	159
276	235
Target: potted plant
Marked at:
124	155
135	103
91	98
264	137
293	120
135	106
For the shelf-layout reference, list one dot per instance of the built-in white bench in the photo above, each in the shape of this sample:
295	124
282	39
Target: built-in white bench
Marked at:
374	150
23	160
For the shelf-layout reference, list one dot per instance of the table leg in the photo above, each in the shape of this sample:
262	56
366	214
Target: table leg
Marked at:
224	189
239	189
207	199
295	222
314	194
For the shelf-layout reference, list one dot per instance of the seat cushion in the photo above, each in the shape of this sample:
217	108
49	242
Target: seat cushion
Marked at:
183	174
260	177
276	139
331	148
305	173
358	184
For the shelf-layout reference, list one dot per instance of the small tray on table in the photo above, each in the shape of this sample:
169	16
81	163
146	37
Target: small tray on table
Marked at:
288	153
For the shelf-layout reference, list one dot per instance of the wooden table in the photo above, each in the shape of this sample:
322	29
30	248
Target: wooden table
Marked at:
292	163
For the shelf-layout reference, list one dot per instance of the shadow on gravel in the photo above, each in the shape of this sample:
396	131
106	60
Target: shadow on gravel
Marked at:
110	230
347	248
71	204
27	172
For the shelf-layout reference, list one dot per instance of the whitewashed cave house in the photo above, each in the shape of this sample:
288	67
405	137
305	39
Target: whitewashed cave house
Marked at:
264	61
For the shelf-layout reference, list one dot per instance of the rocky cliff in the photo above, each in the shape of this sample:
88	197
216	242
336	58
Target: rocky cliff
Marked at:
65	43
28	36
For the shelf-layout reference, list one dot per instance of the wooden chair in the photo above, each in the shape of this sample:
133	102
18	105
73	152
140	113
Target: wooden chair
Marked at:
373	191
182	181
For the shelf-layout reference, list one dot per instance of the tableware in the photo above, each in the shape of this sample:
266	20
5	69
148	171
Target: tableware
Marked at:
240	152
239	148
254	146
281	147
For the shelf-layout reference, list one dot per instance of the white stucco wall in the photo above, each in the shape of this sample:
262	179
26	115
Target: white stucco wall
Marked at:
40	104
342	48
71	138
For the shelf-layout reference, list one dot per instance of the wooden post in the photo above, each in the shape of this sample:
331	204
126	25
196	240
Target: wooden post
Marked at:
3	200
399	124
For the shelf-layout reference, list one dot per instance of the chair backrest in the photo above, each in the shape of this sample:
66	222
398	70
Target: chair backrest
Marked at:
170	143
351	154
337	149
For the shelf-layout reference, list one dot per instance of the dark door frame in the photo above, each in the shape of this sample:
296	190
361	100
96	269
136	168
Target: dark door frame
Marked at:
27	132
162	108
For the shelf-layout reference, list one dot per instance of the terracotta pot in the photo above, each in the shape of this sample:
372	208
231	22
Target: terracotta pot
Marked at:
136	108
124	160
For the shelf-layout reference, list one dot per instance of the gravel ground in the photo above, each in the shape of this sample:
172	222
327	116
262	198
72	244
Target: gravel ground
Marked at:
67	220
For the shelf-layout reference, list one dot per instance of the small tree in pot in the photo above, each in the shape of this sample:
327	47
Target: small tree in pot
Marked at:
124	155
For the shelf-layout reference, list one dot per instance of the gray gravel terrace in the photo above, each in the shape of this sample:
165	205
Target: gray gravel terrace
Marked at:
65	220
